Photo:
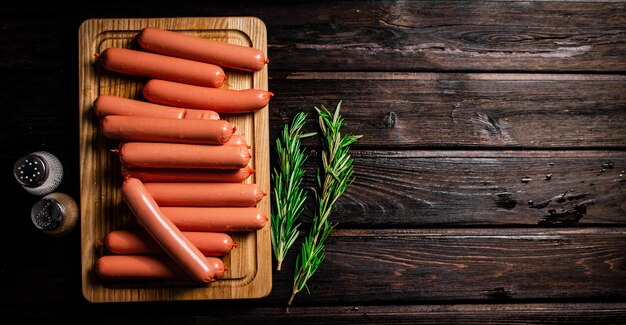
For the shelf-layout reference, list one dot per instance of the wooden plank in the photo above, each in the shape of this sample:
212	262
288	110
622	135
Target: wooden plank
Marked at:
408	189
411	110
497	265
369	36
443	35
381	267
102	209
429	314
533	313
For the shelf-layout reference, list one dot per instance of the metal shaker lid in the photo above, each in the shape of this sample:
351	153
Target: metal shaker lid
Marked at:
30	170
38	173
47	214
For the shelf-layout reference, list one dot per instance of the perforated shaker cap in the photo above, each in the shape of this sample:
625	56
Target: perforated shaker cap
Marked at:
56	214
47	214
39	173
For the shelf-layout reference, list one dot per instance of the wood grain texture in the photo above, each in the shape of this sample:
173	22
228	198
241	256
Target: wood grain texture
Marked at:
429	314
380	267
412	110
370	35
409	189
537	313
404	266
102	209
458	101
447	35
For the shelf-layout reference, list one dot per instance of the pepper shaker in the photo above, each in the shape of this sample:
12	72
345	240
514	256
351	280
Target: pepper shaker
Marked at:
56	214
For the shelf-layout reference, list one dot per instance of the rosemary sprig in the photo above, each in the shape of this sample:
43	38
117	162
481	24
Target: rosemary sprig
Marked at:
289	196
333	179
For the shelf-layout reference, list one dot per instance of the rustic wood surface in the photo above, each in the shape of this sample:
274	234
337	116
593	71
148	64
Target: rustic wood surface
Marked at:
413	110
490	184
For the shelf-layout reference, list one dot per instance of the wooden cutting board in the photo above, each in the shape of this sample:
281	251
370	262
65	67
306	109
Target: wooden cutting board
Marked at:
102	210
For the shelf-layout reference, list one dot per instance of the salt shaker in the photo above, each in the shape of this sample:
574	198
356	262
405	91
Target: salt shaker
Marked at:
39	173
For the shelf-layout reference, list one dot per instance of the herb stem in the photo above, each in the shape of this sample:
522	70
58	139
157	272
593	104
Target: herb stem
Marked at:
289	197
333	178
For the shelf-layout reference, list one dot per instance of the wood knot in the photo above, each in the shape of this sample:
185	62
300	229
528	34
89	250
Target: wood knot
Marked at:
505	200
390	119
490	124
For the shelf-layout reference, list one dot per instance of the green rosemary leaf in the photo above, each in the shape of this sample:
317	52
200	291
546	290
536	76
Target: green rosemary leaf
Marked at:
288	196
333	178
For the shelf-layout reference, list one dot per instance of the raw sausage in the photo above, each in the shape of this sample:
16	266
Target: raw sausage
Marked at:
141	128
179	175
205	194
178	155
218	266
236	140
142	267
200	49
139	242
145	64
216	219
164	232
216	99
114	105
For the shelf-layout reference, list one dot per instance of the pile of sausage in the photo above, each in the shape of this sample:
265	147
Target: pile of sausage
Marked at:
183	166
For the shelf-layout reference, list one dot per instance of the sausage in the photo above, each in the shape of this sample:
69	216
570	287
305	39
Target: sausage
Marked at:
141	128
205	194
178	155
139	242
200	49
143	267
164	232
218	266
237	140
179	175
216	219
145	64
114	105
215	99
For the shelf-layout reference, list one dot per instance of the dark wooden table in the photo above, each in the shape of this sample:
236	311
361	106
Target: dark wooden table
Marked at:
465	108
